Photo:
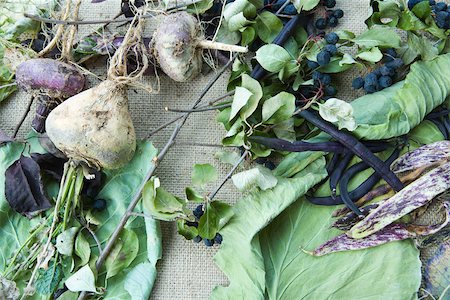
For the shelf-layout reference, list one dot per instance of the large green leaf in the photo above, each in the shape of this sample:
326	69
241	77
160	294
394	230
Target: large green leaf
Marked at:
396	110
240	256
390	271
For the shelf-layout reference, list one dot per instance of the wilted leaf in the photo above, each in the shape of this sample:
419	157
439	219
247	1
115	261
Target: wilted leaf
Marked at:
279	108
81	281
373	55
23	187
188	232
8	289
123	253
193	195
50	165
259	176
338	112
65	241
203	174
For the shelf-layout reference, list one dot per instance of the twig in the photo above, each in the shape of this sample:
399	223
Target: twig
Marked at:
7	85
156	161
24	116
205	145
207	108
230	93
236	165
282	7
87	22
161	127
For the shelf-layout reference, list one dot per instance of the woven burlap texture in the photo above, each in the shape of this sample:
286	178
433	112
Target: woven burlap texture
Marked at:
187	270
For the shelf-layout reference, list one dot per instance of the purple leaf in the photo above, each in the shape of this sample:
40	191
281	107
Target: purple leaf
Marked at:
425	156
50	164
392	232
23	187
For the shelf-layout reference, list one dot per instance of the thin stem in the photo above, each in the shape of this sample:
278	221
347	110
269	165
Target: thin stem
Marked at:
206	44
143	215
156	161
282	7
207	108
7	85
230	93
24	116
236	165
204	145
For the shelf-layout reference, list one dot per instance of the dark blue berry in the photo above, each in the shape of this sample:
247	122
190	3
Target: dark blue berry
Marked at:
432	2
386	71
321	23
440	6
312	64
323	58
370	88
208	243
330	90
269	165
385	81
338	13
395	64
332	49
218	238
290	10
198	211
330	3
333	22
193	224
326	79
99	204
332	38
316	75
391	52
197	239
412	3
442	19
277	4
377	72
371	79
358	83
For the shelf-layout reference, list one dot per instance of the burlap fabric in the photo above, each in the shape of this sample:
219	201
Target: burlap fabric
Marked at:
187	270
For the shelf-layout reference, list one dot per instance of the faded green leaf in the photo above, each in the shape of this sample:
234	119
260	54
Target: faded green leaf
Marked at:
257	177
200	7
272	57
237	22
165	202
279	108
82	248
82	280
208	225
65	241
305	4
373	55
188	232
422	46
224	212
227	157
252	104
203	174
193	195
245	268
123	253
225	35
285	130
334	66
139	279
240	99
338	112
268	26
248	36
378	36
347	59
388	13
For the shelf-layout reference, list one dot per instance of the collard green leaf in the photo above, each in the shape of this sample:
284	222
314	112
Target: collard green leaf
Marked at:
138	280
208	225
245	268
203	174
269	25
48	279
394	111
24	188
257	177
123	253
373	55
413	196
422	46
82	280
272	57
293	274
279	108
378	36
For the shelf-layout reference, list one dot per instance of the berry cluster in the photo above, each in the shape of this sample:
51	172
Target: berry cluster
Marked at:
332	16
198	212
381	77
275	5
440	9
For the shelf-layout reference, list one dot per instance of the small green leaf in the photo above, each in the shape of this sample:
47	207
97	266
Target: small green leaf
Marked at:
48	279
68	295
373	55
259	176
381	36
225	35
227	157
345	35
334	66
123	253
153	194
192	195
248	36
285	130
255	88
224	211
278	108
237	22
165	202
208	225
338	112
65	241
203	174
189	232
347	59
305	4
272	57
82	248
422	9
269	25
422	46
81	281
240	99
200	7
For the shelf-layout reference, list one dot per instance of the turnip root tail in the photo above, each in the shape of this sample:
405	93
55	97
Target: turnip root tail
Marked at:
178	43
95	127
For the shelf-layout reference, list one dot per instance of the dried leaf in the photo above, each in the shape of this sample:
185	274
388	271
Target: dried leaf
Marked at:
23	187
8	289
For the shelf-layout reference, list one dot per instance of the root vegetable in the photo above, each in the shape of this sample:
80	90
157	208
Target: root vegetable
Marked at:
178	43
95	127
50	81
